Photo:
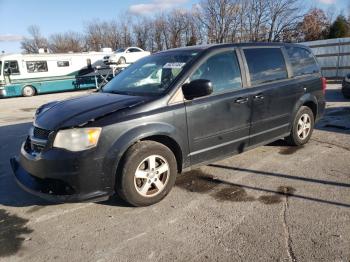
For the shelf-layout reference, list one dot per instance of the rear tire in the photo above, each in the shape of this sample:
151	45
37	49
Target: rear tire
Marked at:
28	91
148	173
303	125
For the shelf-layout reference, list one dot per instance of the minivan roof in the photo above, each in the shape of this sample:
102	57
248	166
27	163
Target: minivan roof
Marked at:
219	46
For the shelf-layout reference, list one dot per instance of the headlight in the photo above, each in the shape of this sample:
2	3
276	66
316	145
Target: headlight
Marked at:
77	139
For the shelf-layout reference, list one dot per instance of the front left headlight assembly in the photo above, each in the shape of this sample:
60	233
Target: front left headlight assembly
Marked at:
77	139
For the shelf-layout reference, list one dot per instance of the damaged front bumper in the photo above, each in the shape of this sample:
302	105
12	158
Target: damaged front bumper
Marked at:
60	179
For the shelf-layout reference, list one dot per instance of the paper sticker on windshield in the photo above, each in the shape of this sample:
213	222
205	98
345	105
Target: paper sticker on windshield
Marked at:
174	65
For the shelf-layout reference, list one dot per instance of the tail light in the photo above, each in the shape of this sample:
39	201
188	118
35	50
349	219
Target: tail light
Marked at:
324	85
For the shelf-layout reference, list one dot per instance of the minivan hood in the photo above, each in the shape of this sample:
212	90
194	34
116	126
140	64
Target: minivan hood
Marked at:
80	110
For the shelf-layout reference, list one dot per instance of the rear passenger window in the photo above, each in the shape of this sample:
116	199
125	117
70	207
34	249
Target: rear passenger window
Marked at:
265	65
302	61
222	70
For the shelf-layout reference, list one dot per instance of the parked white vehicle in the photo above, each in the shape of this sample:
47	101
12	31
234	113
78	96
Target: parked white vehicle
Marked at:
126	56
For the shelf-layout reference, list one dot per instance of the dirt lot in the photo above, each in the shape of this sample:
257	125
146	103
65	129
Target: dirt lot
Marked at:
274	203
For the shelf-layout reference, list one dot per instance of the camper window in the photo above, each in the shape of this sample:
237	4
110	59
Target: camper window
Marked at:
36	66
62	63
12	65
0	67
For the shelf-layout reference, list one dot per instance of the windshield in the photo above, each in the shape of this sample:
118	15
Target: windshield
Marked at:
120	50
151	75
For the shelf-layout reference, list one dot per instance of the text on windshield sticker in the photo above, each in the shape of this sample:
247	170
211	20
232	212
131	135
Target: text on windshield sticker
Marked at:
173	65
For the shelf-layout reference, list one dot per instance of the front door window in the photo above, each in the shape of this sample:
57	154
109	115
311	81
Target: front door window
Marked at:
222	70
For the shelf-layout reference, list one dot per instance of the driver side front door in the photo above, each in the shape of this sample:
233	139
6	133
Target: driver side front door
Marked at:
218	124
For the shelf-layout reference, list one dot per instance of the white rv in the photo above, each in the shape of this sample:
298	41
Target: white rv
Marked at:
30	74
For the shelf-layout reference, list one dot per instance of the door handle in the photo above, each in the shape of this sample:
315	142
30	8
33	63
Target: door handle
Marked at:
241	100
259	97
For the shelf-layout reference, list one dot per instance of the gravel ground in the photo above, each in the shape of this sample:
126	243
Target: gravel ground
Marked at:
274	203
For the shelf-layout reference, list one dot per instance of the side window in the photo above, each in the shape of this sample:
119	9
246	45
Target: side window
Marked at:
265	65
133	50
62	63
36	66
222	70
13	65
303	62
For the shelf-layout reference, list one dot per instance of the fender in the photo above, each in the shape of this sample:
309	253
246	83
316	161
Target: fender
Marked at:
308	97
136	134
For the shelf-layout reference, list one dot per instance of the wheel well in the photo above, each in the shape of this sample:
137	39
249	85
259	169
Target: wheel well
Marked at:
171	144
312	106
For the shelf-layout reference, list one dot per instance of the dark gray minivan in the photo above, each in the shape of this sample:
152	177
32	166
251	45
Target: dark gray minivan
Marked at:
167	113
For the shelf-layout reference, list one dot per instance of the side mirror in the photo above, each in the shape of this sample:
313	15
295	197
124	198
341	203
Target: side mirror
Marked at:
197	88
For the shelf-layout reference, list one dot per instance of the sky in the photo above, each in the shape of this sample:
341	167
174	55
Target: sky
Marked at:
57	16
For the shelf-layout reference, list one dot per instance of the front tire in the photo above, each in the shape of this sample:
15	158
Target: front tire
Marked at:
122	61
28	91
148	173
302	128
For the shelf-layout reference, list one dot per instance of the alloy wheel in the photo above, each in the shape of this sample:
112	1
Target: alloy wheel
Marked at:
304	126
151	176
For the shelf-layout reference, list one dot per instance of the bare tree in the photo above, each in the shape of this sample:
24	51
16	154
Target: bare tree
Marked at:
283	15
141	30
94	35
112	35
257	16
191	32
35	42
177	23
159	26
210	21
99	34
125	31
66	42
218	16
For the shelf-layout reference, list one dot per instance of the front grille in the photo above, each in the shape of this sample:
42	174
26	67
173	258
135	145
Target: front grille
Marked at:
36	141
41	133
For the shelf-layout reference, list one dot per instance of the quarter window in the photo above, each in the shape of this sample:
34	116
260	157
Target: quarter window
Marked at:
62	63
36	66
222	70
302	61
265	65
13	65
